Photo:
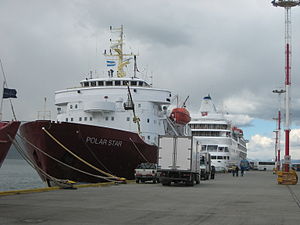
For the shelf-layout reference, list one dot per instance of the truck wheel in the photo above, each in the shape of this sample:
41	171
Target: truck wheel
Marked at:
190	182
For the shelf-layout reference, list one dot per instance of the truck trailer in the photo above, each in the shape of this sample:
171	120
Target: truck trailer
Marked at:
179	160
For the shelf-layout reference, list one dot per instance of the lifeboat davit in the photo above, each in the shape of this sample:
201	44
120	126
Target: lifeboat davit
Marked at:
180	116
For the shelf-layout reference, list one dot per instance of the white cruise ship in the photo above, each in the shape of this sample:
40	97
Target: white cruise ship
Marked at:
218	136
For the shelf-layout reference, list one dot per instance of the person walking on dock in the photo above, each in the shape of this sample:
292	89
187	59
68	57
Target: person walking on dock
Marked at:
233	170
242	170
237	170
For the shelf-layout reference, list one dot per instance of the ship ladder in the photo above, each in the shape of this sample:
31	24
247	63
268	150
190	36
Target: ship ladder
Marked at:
118	179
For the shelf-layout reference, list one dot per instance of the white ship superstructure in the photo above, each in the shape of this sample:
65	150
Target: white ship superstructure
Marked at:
218	136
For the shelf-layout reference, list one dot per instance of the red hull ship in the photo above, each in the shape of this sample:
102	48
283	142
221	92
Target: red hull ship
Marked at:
7	130
113	151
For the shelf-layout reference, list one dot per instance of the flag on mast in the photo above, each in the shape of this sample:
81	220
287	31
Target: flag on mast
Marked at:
9	93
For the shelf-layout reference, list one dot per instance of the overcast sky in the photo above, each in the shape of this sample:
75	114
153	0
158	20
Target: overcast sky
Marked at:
232	50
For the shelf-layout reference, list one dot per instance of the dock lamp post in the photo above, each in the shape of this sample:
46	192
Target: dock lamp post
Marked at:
278	133
287	5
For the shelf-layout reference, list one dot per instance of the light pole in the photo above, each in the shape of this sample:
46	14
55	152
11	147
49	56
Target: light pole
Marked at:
278	133
287	5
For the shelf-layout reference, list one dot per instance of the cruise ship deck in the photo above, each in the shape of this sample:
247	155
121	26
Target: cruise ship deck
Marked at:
253	199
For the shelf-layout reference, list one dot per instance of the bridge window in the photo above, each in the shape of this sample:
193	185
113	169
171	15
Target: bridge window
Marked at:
100	83
141	83
86	84
133	83
117	83
93	83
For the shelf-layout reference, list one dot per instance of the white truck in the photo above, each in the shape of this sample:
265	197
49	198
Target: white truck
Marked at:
179	160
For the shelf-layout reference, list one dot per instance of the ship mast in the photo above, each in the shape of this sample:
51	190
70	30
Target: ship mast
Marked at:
116	51
287	5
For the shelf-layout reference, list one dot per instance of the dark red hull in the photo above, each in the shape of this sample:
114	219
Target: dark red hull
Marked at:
7	129
113	151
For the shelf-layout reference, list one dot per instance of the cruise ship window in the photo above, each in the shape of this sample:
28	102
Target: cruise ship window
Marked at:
226	149
148	137
139	105
76	106
71	119
112	118
213	157
91	118
117	83
71	106
109	83
141	83
203	148
100	83
220	157
128	118
80	119
212	148
86	84
133	83
66	119
93	83
148	120
85	118
106	118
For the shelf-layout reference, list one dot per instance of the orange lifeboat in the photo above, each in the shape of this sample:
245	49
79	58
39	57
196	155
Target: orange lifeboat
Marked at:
180	116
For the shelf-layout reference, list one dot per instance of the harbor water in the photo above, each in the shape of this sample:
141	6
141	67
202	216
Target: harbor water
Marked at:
17	174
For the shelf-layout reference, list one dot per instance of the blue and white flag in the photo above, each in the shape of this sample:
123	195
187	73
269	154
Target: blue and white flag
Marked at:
110	63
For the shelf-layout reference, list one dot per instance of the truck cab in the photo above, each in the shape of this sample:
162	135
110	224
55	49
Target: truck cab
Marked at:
205	165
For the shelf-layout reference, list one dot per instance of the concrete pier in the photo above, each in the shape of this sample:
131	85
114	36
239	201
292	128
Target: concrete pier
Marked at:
253	199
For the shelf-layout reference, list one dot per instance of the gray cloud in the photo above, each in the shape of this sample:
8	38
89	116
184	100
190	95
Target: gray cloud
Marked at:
232	50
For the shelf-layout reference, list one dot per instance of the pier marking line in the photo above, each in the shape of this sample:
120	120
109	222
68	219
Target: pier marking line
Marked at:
295	197
39	190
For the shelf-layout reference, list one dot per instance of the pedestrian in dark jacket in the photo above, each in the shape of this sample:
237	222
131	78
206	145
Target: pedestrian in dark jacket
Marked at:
237	171
212	173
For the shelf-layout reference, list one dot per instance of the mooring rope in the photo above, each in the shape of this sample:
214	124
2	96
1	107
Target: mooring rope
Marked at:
71	167
76	156
32	163
138	150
